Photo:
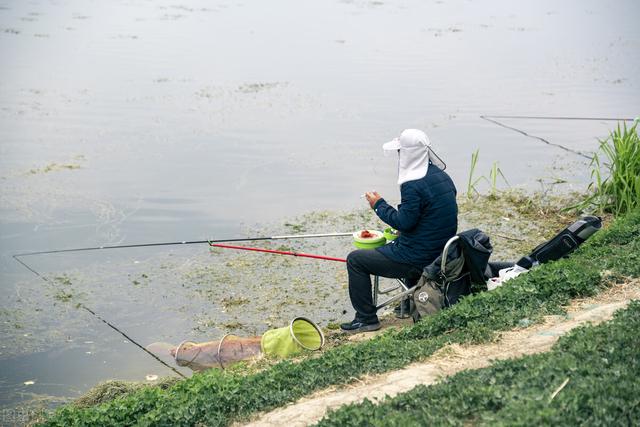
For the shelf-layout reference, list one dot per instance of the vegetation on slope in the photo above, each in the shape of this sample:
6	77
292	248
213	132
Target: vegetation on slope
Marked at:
589	378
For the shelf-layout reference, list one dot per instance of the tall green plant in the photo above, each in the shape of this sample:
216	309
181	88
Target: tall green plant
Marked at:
619	191
471	185
494	173
493	178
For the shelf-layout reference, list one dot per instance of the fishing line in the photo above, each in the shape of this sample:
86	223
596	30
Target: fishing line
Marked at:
106	322
579	153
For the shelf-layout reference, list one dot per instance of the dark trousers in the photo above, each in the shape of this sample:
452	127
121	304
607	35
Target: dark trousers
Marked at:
363	263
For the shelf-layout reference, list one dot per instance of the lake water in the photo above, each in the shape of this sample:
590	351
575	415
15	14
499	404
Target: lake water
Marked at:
149	121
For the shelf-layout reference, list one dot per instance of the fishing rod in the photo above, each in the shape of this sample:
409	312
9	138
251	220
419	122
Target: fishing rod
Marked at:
605	119
193	242
273	251
546	141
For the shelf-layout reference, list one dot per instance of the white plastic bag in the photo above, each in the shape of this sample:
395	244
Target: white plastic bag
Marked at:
504	275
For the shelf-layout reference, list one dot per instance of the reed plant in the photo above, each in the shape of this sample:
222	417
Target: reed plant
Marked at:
471	184
618	159
494	173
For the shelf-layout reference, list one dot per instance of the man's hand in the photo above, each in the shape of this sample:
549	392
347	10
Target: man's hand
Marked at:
372	197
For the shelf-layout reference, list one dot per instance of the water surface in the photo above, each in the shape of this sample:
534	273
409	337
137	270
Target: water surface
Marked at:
140	121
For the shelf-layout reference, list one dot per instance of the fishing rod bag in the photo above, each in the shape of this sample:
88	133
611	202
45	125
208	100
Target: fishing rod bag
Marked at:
563	243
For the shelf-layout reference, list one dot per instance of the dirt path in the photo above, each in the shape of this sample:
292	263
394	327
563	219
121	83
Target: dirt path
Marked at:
455	358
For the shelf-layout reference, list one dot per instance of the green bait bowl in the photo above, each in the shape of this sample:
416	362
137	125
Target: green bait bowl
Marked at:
361	245
390	234
369	242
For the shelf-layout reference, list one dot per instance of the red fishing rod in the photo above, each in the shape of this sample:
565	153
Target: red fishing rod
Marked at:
274	251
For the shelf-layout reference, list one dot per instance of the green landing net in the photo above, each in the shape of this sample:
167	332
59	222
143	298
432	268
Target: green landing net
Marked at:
301	334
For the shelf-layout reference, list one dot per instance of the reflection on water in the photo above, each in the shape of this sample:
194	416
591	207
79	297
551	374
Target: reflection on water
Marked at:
161	121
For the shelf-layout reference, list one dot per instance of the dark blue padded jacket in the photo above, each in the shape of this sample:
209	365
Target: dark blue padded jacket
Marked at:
426	217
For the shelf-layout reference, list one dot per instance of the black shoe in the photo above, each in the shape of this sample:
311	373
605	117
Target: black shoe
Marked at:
402	310
359	326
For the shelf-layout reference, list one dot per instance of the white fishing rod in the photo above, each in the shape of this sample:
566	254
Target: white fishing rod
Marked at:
193	242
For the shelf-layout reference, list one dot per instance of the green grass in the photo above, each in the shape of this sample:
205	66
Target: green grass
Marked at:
598	366
619	192
218	398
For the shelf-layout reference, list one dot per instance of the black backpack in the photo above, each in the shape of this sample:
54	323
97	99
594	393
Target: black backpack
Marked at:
466	264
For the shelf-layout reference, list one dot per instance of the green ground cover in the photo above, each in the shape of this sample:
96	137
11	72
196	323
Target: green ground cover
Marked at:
589	378
218	398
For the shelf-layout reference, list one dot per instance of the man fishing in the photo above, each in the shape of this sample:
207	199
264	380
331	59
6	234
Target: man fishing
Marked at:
426	218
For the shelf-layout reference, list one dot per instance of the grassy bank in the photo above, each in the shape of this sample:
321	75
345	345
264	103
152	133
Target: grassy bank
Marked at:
589	378
218	398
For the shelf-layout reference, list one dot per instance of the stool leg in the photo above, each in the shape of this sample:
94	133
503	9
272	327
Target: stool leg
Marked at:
376	288
402	307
